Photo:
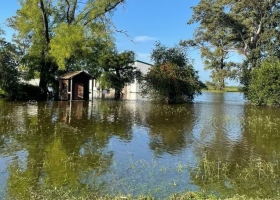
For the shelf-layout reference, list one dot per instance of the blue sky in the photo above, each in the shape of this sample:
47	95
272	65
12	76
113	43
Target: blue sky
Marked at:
145	21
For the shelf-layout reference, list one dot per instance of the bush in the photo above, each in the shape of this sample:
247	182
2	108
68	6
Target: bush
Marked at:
264	88
172	77
23	91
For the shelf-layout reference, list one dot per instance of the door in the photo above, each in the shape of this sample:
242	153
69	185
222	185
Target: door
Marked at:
79	91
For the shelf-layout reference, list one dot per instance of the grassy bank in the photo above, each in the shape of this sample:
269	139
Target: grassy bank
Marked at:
61	194
227	89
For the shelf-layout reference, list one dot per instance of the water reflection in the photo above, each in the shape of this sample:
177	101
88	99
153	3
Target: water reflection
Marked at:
170	126
134	146
58	152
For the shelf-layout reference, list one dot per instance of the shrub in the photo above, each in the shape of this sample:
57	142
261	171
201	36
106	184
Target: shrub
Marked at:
23	91
264	88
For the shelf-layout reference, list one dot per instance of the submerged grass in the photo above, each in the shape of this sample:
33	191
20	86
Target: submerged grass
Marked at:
251	179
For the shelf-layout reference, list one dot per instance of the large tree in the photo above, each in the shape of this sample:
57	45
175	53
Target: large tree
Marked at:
172	77
249	28
61	32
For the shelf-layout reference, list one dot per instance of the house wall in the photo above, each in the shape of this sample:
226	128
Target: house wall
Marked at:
144	68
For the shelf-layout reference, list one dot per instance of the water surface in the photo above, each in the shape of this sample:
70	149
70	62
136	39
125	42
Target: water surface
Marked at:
136	146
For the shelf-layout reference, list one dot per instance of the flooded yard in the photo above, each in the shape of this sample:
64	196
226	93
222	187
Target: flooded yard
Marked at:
219	144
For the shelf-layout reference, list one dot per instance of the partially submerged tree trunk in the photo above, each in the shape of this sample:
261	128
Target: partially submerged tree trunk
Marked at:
171	97
117	94
118	90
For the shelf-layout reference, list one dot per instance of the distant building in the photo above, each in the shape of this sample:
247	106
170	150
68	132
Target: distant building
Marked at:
132	88
144	68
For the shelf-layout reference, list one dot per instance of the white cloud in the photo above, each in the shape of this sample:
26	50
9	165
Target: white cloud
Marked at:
143	38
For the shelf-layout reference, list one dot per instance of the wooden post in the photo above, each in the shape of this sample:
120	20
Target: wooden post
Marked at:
91	89
71	90
70	112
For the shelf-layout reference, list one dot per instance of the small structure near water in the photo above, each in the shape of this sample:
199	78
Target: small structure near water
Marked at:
74	86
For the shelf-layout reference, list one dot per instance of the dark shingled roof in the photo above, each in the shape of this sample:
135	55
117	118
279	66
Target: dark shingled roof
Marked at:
69	75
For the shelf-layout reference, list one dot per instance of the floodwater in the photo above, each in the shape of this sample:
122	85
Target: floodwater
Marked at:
139	147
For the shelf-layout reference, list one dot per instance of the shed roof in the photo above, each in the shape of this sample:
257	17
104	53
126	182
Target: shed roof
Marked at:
70	75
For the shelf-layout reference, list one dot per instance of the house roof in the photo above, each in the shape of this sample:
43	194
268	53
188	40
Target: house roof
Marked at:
70	75
143	62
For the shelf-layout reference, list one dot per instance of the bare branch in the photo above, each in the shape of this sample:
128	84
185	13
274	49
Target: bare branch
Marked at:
117	30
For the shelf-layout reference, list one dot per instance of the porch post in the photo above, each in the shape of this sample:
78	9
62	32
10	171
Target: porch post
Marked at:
71	90
91	89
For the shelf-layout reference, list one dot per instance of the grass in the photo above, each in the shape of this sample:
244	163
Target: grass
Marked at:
227	89
59	194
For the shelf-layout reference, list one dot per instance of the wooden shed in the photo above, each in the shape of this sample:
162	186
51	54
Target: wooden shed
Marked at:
74	86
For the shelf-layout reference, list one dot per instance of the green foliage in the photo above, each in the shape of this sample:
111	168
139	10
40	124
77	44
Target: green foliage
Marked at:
26	92
67	41
8	68
104	83
9	75
264	88
61	35
172	77
119	70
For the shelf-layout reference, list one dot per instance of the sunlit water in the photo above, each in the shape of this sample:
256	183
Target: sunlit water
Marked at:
135	147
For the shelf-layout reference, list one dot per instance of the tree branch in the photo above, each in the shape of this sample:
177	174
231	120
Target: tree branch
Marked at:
108	8
117	30
45	19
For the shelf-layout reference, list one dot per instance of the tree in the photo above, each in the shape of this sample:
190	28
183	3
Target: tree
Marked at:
221	68
249	28
8	68
119	70
172	77
61	32
214	46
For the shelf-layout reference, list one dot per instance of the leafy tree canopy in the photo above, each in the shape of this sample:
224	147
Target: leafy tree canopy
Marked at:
172	77
62	34
119	70
8	67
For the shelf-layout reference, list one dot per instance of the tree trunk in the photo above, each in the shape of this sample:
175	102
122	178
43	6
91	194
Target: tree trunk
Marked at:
117	94
43	87
118	90
45	75
171	97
